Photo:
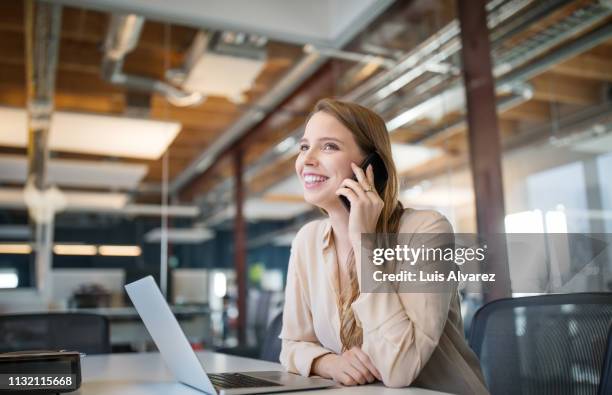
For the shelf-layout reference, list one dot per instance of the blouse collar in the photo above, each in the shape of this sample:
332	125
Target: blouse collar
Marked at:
327	233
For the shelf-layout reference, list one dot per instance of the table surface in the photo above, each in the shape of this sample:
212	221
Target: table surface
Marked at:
146	374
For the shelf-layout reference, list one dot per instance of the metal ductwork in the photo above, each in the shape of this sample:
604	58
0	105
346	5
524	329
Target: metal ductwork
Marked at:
42	34
121	38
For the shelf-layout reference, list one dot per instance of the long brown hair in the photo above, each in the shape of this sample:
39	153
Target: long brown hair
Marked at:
370	133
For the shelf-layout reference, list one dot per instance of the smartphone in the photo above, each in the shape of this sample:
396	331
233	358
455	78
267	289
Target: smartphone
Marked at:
380	175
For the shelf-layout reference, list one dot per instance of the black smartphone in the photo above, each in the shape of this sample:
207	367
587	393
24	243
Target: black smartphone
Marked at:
380	175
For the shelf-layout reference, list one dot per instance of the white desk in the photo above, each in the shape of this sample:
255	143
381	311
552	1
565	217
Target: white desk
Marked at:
146	374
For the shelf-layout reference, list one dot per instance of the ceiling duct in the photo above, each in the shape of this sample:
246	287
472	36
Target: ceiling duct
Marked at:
42	34
222	64
121	38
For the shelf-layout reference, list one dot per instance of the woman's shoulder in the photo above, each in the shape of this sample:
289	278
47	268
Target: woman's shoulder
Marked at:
424	221
309	232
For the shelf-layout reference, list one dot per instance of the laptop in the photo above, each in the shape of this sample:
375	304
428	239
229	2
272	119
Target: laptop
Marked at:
183	362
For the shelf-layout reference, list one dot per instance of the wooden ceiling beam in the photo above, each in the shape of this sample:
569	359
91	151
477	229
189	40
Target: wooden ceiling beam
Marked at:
532	110
563	89
586	66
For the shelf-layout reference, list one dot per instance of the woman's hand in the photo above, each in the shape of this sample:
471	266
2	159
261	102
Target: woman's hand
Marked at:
352	367
366	204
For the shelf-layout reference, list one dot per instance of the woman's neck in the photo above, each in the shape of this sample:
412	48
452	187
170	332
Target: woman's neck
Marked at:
339	217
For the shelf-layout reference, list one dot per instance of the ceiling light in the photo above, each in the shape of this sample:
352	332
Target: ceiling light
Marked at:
63	172
180	236
93	133
15	248
119	250
74	249
408	156
8	279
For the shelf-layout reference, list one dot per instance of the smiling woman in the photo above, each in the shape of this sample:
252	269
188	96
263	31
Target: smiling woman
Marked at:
332	330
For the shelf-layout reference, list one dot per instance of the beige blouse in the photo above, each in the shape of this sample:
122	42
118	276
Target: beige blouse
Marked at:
412	338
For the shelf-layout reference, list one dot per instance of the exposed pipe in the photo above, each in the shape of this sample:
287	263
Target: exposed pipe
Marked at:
121	38
436	49
42	33
43	22
350	56
509	81
522	92
535	47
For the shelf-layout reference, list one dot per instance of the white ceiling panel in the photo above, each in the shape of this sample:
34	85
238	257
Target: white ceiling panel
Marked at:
75	200
76	173
93	134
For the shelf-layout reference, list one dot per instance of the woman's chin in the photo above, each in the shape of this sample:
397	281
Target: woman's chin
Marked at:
322	202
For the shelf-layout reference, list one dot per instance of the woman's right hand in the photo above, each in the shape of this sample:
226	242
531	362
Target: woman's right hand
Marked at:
352	367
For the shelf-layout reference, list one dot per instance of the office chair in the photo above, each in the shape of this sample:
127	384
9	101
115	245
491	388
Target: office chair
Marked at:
605	382
548	344
271	347
87	333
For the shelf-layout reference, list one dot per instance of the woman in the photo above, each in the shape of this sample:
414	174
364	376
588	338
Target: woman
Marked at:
329	328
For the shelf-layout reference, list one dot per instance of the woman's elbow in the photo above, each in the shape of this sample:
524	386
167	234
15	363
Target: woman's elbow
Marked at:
401	371
397	379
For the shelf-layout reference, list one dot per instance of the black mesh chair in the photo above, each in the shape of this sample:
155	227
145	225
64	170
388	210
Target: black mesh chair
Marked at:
87	333
605	383
548	344
271	347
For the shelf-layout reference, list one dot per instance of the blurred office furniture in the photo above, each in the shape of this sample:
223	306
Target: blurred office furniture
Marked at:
87	333
128	333
190	286
543	344
90	295
262	306
257	314
605	382
66	281
271	347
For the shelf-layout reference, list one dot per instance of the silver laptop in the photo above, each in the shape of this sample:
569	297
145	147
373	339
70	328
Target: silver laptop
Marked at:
182	361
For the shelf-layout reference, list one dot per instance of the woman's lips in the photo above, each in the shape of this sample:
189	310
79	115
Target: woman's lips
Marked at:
312	181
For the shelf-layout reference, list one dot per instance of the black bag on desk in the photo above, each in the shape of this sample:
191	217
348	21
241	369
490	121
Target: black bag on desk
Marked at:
40	372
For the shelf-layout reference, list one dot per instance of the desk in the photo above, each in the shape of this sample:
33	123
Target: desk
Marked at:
146	374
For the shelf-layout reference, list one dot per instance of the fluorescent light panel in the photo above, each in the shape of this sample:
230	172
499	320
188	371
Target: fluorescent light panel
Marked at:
93	134
15	248
119	250
74	249
78	173
8	279
13	197
180	235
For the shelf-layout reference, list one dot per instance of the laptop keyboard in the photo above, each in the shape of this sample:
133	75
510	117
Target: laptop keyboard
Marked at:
237	380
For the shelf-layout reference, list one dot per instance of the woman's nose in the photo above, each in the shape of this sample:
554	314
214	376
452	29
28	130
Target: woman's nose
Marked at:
310	157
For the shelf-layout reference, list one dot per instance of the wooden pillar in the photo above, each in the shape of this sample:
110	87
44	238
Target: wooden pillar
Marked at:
240	245
484	138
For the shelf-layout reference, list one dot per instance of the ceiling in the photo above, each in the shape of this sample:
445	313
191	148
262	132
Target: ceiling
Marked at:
429	103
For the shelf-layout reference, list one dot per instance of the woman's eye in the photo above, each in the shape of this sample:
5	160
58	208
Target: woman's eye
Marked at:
330	146
303	147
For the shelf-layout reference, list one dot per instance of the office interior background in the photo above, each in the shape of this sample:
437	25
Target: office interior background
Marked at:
159	138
